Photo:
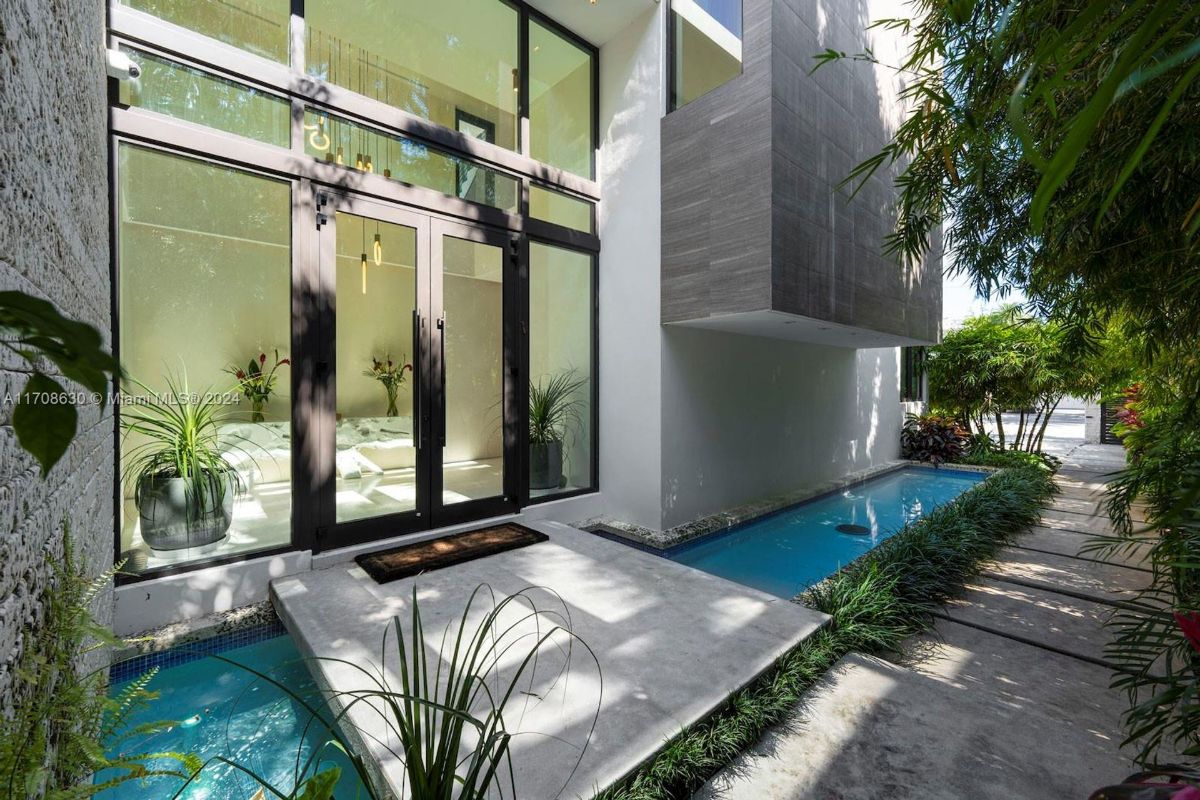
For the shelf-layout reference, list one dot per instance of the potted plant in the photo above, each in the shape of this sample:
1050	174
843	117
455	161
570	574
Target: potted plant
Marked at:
553	411
182	486
256	382
392	376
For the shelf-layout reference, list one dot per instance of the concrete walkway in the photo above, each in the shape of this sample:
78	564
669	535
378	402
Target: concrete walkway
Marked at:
1007	697
673	644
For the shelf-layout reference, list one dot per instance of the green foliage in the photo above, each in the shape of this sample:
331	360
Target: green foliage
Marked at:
932	438
447	715
1005	361
1159	670
176	437
983	451
63	717
45	417
553	407
1059	149
874	604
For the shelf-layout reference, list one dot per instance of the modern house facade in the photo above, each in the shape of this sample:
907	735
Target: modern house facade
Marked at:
416	215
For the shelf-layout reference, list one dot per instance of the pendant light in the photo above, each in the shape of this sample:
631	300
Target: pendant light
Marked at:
363	261
378	247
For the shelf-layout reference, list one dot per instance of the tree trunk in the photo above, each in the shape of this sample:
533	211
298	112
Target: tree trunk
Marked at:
1020	431
1000	429
1033	428
1042	433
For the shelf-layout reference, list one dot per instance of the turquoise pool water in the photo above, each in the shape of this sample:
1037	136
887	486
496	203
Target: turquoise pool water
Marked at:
786	552
223	710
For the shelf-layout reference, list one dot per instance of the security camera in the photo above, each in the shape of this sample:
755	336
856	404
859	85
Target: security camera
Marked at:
121	66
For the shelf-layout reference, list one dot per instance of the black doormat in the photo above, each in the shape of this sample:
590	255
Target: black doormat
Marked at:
413	559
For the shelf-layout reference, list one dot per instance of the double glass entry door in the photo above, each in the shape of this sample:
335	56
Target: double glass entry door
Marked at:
412	387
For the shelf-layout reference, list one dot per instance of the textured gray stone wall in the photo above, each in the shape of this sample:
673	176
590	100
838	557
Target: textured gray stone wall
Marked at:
54	243
752	215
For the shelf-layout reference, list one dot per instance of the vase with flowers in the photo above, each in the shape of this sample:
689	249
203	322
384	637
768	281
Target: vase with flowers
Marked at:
392	375
256	382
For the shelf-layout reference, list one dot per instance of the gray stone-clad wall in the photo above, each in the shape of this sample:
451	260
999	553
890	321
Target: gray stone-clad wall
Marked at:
753	219
54	243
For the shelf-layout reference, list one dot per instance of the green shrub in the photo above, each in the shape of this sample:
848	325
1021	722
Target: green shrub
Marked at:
874	604
62	716
932	438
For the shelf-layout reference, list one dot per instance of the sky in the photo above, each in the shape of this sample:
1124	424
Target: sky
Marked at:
959	301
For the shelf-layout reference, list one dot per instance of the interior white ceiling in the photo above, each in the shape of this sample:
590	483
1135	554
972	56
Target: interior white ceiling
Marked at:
596	23
780	325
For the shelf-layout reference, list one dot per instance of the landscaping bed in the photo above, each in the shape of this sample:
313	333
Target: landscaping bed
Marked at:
874	604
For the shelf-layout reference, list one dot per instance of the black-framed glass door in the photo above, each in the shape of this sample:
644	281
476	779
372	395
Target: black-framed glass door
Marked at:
474	458
411	404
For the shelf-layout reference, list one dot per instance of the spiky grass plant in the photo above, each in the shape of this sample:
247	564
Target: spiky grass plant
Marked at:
449	715
874	604
175	435
553	408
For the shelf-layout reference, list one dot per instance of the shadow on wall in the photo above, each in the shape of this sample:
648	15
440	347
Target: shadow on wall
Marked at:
745	418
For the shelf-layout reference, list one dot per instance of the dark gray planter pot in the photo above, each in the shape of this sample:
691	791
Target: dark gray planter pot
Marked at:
545	465
169	522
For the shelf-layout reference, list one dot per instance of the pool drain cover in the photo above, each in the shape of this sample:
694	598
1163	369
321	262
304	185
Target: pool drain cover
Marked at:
857	530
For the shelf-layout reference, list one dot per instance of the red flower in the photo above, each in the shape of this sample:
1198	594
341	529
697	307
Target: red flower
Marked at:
1189	623
241	375
262	358
284	361
408	367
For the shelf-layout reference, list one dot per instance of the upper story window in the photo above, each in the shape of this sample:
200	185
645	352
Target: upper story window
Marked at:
706	47
259	26
560	100
453	62
456	63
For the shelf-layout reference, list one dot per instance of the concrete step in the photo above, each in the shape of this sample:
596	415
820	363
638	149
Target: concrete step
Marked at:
1103	583
1070	543
1018	676
1036	616
873	729
1070	521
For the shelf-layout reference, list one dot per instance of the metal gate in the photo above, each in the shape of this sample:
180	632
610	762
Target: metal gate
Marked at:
1108	418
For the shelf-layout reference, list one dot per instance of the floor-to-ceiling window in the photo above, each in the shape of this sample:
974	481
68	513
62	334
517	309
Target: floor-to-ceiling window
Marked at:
205	336
561	373
706	47
257	127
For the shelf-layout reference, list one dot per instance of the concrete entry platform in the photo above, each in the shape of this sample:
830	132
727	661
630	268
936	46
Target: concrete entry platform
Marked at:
672	642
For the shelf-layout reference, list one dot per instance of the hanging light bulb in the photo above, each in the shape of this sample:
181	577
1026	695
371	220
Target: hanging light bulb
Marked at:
363	265
367	163
378	251
358	161
340	156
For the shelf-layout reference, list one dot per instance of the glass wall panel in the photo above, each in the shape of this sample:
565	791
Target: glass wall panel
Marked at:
560	101
559	208
260	26
205	328
189	94
341	142
561	370
453	63
473	301
376	296
706	46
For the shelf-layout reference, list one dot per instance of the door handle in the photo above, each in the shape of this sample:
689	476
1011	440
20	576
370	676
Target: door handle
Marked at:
418	432
441	323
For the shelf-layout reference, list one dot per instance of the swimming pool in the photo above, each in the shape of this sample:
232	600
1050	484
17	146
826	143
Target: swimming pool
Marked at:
787	551
223	710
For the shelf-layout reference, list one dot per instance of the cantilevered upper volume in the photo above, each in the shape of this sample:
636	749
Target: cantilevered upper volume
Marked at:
757	235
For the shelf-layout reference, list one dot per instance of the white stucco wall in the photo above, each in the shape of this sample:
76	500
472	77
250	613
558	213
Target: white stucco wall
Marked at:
747	417
631	103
